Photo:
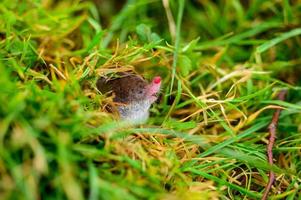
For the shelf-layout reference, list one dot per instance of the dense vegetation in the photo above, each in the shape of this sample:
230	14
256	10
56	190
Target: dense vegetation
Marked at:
222	63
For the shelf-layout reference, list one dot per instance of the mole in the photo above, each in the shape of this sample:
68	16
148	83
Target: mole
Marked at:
133	95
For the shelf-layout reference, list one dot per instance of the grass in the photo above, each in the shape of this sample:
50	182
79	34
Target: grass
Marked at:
222	64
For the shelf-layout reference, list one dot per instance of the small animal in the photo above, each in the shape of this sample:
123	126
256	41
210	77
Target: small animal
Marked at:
133	95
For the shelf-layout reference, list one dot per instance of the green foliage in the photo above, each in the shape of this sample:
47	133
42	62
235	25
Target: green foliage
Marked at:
222	63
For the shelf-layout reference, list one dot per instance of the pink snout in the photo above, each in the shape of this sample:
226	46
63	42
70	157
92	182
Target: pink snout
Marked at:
154	88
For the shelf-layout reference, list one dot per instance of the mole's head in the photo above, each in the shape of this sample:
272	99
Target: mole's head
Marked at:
135	94
129	88
137	111
135	89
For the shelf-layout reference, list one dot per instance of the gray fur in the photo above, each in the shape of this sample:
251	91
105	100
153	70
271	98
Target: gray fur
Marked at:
135	113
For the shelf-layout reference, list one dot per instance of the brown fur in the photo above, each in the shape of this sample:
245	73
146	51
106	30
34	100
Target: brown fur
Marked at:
127	87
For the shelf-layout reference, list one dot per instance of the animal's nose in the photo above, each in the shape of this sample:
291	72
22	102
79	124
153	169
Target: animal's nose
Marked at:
157	79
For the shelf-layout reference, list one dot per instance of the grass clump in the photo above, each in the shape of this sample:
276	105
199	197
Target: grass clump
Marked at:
222	64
